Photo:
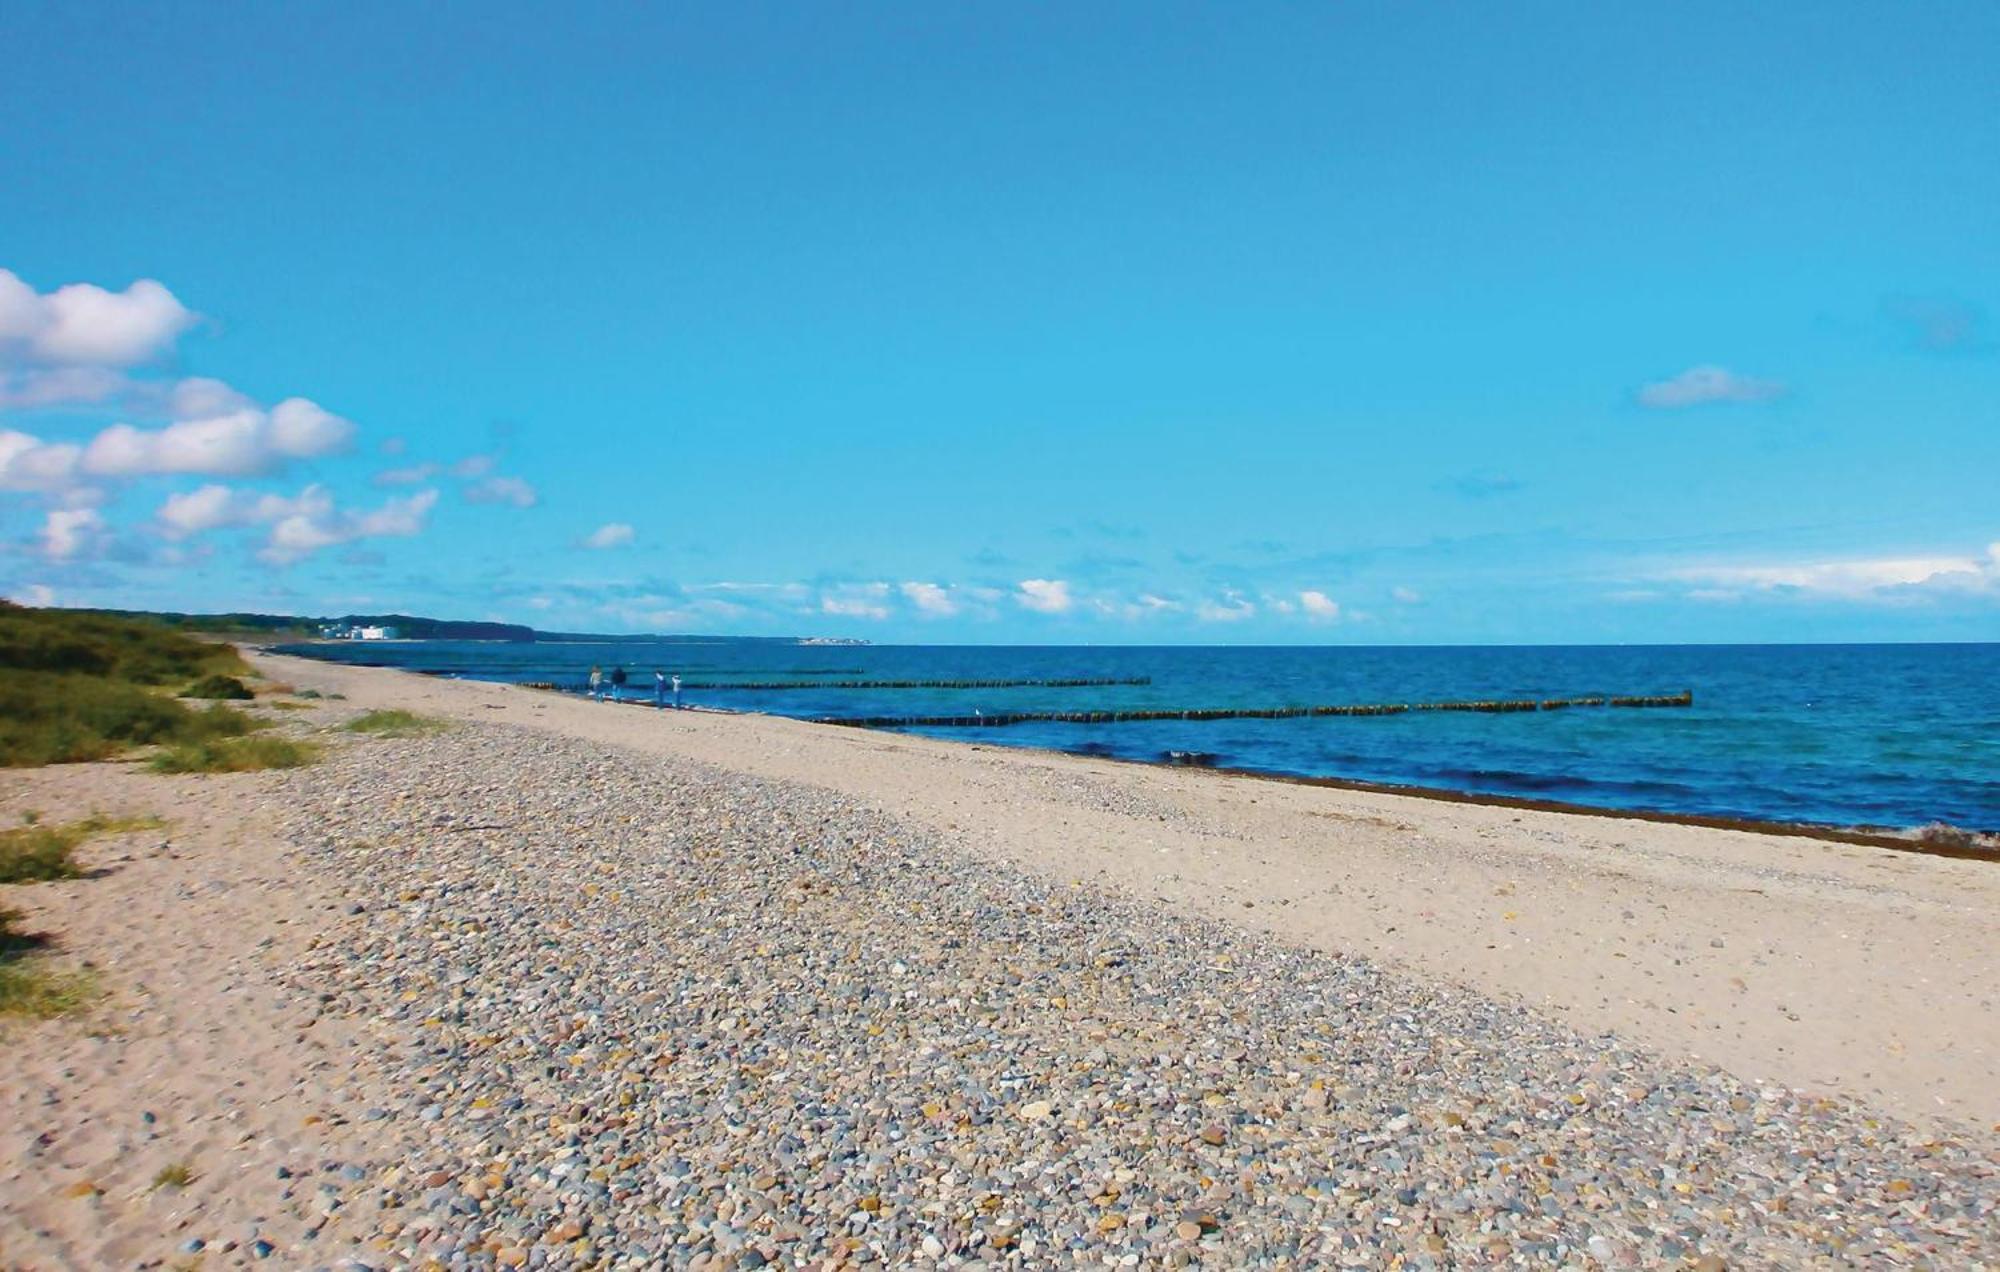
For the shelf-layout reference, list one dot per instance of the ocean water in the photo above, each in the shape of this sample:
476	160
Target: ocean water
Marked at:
1850	735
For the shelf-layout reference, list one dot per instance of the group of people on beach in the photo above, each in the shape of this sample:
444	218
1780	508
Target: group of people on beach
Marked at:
611	688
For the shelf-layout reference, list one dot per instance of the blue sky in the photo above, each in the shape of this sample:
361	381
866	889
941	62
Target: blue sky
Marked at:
1117	324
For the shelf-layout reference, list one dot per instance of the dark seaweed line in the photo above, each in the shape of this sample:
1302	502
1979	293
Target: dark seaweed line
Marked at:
1500	706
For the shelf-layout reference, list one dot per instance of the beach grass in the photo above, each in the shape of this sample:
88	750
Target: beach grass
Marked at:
34	853
38	854
395	723
72	642
219	686
173	1175
77	686
61	718
29	985
234	755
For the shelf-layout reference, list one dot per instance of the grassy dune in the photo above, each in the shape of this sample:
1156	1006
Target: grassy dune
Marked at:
77	686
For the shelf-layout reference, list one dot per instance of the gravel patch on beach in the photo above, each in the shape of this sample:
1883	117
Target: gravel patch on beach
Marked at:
630	1011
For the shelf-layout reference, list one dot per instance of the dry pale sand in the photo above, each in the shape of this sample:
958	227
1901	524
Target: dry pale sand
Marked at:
198	1055
1817	965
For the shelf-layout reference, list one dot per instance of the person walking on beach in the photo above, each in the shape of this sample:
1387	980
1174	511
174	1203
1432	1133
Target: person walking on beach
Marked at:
618	684
677	691
659	689
596	689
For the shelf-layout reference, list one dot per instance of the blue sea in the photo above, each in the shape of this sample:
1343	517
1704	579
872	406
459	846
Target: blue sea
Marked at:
1847	735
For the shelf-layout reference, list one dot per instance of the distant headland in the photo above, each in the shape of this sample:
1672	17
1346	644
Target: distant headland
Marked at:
292	627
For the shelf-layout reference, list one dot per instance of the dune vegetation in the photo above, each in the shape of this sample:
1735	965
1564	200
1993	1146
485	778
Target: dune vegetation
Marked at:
81	686
233	755
394	722
37	853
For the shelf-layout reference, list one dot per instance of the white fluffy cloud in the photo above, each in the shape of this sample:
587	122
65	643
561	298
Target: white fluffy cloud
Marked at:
307	529
1860	579
27	463
1045	596
241	442
1319	607
198	511
299	525
71	347
36	594
931	599
69	533
1699	386
615	534
83	324
78	346
215	507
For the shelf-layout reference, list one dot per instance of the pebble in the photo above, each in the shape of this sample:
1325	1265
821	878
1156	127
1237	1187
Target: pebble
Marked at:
675	1016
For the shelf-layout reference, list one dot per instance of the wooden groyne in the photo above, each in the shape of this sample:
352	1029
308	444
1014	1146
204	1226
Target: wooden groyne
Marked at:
914	684
1491	706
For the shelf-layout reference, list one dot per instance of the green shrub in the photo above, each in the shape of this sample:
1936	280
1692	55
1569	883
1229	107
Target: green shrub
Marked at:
61	718
219	721
53	718
28	985
34	853
394	723
234	755
218	686
37	854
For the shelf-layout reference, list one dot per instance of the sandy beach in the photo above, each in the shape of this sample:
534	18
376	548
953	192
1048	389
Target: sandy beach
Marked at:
571	984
